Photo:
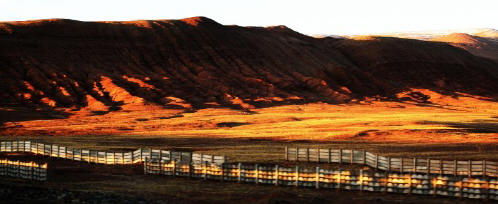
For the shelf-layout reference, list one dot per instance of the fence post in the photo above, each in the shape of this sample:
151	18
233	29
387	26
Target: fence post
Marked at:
141	158
297	176
388	164
240	172
441	167
484	168
377	161
414	165
174	167
150	153
308	154
222	172
18	168
145	166
51	149
190	169
276	174
330	155
256	171
205	170
434	189
286	153
32	143
410	184
364	157
487	188
340	156
31	171
470	168
456	167
361	179
90	156
72	154
352	157
122	157
339	180
317	178
297	154
386	177
318	155
428	166
401	165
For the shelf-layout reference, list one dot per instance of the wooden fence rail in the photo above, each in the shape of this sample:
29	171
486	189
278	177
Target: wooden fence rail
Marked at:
25	170
402	165
409	183
104	157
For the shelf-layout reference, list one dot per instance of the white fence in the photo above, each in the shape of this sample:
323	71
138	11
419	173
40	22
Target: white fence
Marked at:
105	157
408	183
402	165
25	170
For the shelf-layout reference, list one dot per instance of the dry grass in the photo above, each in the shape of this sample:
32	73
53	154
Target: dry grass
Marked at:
447	128
467	119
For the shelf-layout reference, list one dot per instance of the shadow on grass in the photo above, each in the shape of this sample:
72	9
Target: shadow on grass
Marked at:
477	126
231	124
17	114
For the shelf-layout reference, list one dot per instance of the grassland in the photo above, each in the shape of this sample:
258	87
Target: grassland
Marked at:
445	127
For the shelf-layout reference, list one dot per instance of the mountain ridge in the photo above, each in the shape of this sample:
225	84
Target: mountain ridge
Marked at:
196	63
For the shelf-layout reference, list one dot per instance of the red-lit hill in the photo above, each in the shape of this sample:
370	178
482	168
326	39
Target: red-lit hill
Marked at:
197	63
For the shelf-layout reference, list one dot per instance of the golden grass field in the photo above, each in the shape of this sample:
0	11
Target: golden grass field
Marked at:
445	120
464	127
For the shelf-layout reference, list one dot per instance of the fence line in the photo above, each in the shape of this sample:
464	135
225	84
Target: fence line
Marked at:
104	157
414	183
25	170
403	165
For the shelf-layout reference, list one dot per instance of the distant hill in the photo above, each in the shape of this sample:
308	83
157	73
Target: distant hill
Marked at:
480	41
480	46
488	33
196	63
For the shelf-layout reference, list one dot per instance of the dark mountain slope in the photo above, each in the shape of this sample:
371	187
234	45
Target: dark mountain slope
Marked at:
198	62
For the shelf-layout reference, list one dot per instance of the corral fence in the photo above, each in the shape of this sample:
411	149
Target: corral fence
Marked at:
25	170
402	165
106	157
361	180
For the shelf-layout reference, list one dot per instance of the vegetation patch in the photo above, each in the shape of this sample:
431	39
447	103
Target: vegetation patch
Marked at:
231	124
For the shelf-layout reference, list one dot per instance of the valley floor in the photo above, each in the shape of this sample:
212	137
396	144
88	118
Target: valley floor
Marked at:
443	128
441	119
